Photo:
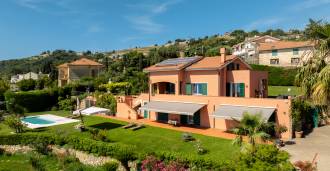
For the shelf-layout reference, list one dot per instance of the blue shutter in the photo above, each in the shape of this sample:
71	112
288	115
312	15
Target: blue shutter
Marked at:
242	90
188	89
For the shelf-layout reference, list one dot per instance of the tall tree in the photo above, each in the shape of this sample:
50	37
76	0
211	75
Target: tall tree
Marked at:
314	76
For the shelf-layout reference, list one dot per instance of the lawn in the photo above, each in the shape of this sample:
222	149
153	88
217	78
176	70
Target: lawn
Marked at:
283	90
148	139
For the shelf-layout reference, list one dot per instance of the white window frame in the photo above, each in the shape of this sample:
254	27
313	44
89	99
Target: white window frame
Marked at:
192	88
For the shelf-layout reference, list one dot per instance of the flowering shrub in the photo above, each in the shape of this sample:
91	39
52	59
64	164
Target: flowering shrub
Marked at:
151	163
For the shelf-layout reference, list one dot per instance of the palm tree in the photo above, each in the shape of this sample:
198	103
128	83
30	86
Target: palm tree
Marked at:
314	76
251	126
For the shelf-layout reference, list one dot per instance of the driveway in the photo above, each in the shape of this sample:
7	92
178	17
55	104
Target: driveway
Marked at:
316	142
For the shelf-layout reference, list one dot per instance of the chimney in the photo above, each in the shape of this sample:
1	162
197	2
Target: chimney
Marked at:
223	55
181	54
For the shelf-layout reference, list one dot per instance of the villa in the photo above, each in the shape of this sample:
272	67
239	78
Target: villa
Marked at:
268	50
206	92
76	70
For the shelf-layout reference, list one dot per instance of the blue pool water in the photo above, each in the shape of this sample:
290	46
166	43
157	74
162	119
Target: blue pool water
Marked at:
37	120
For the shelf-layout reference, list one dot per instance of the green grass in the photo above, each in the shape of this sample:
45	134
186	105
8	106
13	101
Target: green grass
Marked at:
283	90
148	139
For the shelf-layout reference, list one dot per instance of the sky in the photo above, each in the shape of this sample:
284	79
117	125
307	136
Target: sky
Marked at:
28	27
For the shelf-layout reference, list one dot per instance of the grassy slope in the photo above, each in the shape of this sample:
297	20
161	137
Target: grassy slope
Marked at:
148	139
283	90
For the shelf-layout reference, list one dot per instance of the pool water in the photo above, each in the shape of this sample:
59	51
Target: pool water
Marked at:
37	120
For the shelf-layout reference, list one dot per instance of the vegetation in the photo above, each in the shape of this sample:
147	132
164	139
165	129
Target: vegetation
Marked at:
301	113
117	88
108	101
252	126
314	76
283	90
4	86
15	123
278	76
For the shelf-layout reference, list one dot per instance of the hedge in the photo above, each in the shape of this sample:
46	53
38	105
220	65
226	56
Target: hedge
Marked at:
278	76
33	101
121	152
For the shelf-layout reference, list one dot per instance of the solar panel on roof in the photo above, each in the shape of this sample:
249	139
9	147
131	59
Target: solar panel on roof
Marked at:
177	61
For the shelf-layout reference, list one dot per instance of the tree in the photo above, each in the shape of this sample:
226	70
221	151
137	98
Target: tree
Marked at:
314	76
4	86
27	85
108	101
251	126
14	122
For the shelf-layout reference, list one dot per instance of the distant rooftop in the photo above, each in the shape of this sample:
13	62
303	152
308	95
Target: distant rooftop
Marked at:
83	62
283	45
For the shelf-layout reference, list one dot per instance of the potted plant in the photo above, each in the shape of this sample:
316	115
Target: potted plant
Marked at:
298	130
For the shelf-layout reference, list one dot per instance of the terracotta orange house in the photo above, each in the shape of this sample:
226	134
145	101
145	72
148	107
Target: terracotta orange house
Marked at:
211	92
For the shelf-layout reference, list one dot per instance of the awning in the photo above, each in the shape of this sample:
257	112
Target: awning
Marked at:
236	112
172	107
92	110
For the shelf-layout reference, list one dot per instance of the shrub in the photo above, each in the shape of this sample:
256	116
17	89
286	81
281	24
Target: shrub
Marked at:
27	85
152	163
41	147
36	163
2	151
111	166
199	148
14	123
265	157
100	135
107	101
116	88
187	137
33	101
66	104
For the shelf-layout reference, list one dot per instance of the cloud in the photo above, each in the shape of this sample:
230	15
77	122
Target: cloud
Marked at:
306	4
145	19
263	23
145	24
94	28
31	4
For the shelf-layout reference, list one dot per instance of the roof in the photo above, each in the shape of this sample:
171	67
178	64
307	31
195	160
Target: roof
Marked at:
254	39
172	107
236	112
81	61
210	63
173	64
283	45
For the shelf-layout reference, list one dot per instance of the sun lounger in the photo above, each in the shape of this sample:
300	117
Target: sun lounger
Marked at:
139	126
129	125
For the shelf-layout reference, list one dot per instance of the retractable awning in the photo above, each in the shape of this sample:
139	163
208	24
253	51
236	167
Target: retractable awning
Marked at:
236	112
92	110
172	107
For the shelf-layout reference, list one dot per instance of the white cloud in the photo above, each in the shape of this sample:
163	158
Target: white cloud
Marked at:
263	23
145	20
306	4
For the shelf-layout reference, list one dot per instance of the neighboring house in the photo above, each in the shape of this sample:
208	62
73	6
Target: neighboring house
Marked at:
30	75
209	92
248	50
284	53
267	50
76	70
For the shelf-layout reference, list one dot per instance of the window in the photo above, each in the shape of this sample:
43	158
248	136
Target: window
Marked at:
295	61
232	66
235	90
295	51
274	61
196	89
274	52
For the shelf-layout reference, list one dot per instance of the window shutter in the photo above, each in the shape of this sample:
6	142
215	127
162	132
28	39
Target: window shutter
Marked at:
204	89
188	89
242	89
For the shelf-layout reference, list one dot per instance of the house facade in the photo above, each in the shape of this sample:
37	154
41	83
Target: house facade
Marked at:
208	92
267	50
248	50
284	53
30	75
78	69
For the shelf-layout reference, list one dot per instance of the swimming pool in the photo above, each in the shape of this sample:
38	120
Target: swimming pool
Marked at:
37	120
46	120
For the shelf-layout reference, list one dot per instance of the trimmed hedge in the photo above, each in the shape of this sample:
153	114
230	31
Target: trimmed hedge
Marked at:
33	101
278	76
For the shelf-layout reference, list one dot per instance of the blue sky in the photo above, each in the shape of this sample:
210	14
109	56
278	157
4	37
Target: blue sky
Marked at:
28	27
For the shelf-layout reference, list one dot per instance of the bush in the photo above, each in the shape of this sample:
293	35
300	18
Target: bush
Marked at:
27	85
107	101
111	166
2	151
278	76
41	147
33	101
66	104
14	123
100	135
116	88
36	163
265	157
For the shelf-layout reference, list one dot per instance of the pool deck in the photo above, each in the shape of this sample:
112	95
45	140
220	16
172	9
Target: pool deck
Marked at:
57	120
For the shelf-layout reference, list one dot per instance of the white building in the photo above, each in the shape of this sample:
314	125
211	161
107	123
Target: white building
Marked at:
30	75
248	50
